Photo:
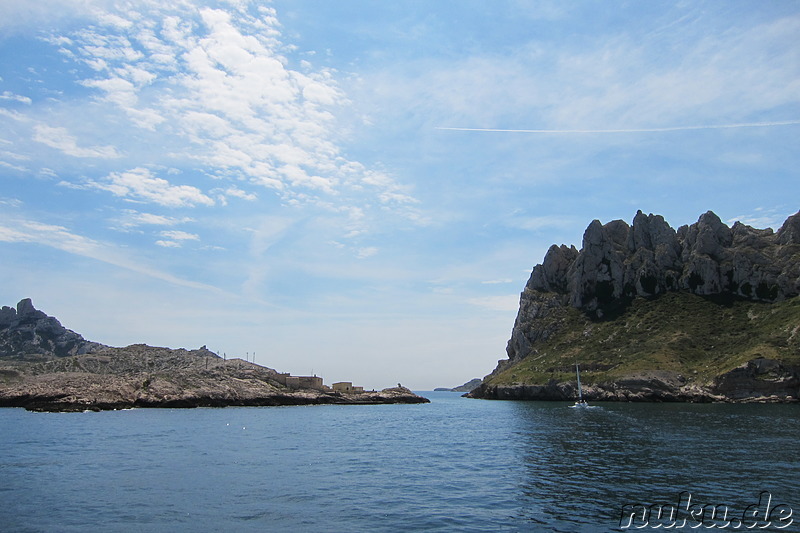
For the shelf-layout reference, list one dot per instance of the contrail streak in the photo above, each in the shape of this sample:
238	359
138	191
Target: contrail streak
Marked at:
635	130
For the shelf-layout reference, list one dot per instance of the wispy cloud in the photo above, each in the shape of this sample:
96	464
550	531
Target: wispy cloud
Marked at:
65	240
8	95
180	235
60	139
176	238
763	218
368	251
11	202
518	219
12	166
635	130
131	218
508	302
681	80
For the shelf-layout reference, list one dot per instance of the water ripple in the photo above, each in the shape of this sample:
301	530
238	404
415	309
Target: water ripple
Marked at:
452	465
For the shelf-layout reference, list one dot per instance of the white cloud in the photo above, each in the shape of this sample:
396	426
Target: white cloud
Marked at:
215	83
60	139
139	184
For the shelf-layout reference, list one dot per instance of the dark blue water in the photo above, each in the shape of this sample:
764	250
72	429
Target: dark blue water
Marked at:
452	465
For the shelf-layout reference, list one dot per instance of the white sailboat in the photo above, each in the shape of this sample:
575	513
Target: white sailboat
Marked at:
580	401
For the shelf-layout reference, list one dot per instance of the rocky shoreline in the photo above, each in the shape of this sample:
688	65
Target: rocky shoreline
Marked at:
761	381
225	383
46	367
58	403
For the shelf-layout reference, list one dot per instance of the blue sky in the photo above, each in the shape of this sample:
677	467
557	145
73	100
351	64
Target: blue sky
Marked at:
279	178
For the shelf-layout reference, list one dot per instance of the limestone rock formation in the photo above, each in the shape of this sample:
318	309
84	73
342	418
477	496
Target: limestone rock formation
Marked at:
46	367
26	331
147	376
575	291
618	262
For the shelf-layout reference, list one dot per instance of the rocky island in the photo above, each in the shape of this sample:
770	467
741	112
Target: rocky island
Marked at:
705	313
466	387
46	367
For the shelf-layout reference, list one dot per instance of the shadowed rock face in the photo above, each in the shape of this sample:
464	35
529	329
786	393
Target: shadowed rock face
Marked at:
650	258
618	262
26	332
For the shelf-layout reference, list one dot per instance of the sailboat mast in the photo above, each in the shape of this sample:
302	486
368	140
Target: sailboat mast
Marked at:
578	373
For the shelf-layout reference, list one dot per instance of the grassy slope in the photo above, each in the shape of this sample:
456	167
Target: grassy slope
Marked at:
682	332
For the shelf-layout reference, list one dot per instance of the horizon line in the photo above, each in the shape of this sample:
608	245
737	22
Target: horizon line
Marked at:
632	130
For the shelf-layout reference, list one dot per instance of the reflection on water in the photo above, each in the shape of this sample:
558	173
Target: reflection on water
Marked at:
584	465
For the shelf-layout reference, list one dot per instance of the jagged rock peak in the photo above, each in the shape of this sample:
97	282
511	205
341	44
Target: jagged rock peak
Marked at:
25	307
26	331
552	276
649	257
618	262
790	231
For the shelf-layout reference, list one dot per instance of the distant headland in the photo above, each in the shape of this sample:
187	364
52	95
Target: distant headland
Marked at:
466	387
46	367
704	313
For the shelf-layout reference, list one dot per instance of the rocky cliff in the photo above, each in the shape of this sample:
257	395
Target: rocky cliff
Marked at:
626	269
46	367
26	332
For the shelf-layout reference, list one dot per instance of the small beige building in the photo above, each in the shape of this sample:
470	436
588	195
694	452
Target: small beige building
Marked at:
310	382
300	382
346	386
343	386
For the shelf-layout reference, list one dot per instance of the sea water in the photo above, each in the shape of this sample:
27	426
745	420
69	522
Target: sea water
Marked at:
455	464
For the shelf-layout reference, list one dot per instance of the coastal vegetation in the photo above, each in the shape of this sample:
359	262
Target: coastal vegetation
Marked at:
696	337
